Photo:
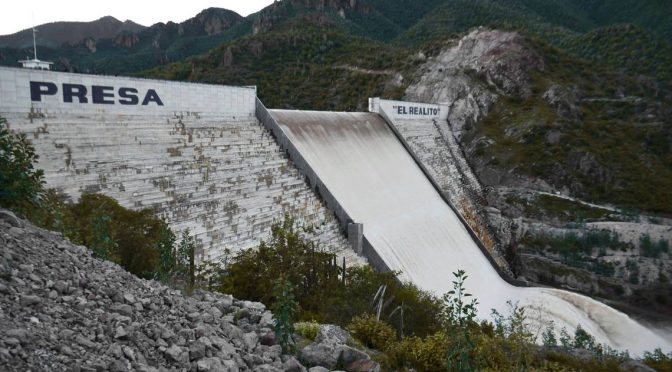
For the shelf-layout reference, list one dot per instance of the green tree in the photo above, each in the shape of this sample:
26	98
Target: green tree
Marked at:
21	185
186	266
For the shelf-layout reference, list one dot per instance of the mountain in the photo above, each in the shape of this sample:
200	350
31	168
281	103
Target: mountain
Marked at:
58	33
571	25
310	63
129	52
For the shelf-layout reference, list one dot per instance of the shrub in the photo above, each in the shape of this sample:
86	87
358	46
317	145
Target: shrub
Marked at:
424	354
307	329
371	332
323	294
658	360
133	239
20	184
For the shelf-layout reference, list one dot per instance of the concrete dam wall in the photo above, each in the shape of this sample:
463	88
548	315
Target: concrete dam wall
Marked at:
214	160
412	228
194	152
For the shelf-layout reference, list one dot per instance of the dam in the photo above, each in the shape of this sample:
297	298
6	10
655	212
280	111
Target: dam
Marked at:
215	160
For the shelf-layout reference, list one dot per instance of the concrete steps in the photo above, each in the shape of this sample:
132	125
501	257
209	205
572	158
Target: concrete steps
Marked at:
225	180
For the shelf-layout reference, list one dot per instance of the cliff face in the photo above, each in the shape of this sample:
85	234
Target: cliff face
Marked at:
547	138
473	73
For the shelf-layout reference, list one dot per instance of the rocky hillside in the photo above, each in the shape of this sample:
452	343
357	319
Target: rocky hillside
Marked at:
56	34
62	309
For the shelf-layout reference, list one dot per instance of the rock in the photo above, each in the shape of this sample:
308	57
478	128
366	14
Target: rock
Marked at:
347	354
210	365
10	218
18	333
65	334
194	317
85	342
250	339
267	320
223	345
176	354
196	350
119	365
61	287
120	333
331	334
266	368
30	300
215	312
129	353
318	369
319	355
16	232
635	366
129	298
293	365
364	365
11	341
115	351
126	310
268	339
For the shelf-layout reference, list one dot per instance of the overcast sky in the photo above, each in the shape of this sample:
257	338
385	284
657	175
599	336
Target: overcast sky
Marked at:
17	15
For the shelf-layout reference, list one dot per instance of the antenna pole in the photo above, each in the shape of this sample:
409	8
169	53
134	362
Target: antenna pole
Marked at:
34	42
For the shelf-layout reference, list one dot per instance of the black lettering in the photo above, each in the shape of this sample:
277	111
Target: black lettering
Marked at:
400	110
99	95
151	96
40	88
128	96
74	90
405	112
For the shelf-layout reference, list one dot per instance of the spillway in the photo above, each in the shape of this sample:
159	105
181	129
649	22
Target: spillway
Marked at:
376	181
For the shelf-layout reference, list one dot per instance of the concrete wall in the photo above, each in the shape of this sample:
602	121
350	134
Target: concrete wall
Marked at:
177	98
202	159
424	131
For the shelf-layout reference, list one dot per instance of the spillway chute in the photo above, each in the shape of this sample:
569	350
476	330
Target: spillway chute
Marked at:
365	167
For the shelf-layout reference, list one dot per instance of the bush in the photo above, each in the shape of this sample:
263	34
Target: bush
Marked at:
372	332
322	291
133	239
658	360
307	329
20	184
424	354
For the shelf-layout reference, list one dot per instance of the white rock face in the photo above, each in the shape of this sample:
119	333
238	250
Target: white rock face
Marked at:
470	76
